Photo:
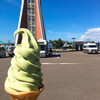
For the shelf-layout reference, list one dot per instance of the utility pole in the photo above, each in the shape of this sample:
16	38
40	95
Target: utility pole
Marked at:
73	44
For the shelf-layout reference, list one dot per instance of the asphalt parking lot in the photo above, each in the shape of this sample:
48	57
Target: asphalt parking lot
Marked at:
66	76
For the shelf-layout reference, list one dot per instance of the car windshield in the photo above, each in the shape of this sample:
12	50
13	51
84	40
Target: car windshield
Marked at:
2	48
42	47
91	46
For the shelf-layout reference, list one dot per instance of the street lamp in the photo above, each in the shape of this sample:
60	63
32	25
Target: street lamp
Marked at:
73	43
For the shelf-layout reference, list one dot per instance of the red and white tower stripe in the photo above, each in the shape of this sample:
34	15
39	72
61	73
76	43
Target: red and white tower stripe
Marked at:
39	22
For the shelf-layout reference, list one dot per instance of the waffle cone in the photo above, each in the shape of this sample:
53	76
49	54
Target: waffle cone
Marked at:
30	95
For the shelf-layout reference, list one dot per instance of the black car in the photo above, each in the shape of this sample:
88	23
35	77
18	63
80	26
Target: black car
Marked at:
11	51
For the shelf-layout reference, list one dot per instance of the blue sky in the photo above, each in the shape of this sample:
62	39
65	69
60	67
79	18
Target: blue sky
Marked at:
62	18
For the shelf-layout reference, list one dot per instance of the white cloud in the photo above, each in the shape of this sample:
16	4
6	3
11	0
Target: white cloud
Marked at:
92	34
51	31
13	1
63	35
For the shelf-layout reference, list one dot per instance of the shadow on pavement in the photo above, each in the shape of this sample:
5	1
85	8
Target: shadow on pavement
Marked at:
6	57
61	51
54	55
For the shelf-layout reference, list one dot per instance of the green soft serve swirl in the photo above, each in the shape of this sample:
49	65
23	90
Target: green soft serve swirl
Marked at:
25	72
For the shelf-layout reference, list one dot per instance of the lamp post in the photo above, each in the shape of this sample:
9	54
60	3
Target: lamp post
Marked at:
73	44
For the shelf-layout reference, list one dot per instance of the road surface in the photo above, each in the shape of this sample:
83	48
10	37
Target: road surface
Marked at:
66	76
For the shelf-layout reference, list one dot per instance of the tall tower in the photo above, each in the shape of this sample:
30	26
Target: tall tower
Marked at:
31	17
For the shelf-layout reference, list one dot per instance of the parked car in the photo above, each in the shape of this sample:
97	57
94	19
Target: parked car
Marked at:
2	52
64	48
11	51
90	48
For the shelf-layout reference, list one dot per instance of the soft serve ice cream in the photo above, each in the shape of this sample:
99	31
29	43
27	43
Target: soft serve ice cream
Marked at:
25	72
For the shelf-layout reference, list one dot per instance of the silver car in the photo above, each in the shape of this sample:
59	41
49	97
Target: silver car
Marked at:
11	51
2	52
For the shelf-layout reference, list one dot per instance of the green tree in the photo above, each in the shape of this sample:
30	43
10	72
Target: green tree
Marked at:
67	42
57	44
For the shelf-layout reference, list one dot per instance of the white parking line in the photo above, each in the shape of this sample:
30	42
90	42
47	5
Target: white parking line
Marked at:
59	63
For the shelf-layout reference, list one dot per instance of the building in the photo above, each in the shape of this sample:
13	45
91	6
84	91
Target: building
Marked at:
31	17
78	45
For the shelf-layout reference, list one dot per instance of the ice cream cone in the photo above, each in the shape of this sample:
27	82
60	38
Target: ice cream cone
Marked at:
30	95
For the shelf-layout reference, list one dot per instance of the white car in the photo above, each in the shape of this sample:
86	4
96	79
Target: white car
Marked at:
90	48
